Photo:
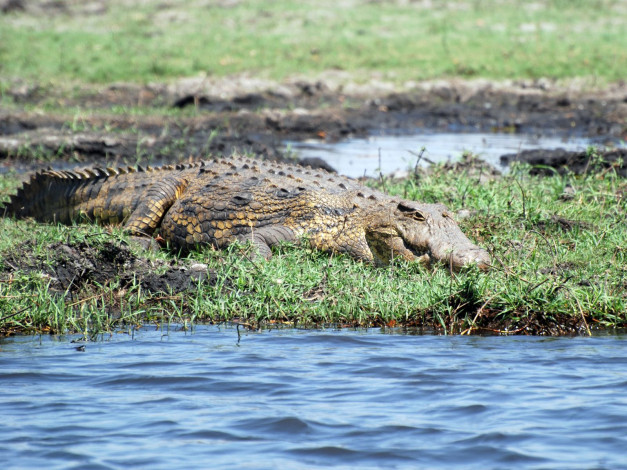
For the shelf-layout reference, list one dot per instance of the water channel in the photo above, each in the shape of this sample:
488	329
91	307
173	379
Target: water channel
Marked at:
295	399
390	153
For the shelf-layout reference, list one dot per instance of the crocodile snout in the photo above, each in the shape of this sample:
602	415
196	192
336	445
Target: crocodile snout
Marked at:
478	256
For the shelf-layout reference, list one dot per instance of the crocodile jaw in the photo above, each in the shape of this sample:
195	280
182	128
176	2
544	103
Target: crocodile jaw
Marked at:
437	234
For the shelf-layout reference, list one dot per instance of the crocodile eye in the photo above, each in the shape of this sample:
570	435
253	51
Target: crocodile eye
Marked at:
411	212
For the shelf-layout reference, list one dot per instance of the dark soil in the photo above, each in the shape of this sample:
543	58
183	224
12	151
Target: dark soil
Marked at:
260	118
544	162
75	267
491	323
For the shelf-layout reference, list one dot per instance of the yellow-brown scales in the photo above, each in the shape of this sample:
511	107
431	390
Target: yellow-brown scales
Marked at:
221	201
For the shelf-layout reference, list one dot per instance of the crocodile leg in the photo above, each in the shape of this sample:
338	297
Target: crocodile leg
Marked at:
264	238
158	199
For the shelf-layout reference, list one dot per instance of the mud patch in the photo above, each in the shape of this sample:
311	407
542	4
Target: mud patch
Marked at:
533	323
473	166
74	267
491	322
544	162
53	7
241	114
7	6
178	279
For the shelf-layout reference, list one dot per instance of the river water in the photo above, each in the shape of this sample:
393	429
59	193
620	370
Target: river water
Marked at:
294	399
389	153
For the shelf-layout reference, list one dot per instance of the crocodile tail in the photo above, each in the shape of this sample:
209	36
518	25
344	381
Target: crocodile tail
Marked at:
46	192
59	196
47	195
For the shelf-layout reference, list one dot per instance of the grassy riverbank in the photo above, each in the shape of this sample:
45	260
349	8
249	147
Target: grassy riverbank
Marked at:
103	42
558	244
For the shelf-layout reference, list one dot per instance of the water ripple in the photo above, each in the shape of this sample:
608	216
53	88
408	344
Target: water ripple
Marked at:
313	399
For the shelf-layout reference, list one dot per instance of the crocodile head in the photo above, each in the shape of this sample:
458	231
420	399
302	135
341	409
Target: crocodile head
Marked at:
422	232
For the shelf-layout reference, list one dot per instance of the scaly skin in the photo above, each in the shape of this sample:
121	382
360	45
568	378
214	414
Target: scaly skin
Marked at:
238	199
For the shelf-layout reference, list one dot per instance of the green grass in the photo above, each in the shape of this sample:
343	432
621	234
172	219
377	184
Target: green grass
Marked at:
159	41
555	261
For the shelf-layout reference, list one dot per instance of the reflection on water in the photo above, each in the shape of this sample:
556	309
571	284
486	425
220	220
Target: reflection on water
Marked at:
392	153
312	399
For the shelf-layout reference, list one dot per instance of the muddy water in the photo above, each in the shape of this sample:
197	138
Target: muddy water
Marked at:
398	153
312	399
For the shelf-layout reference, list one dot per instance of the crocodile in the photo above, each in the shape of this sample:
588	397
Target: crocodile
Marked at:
221	201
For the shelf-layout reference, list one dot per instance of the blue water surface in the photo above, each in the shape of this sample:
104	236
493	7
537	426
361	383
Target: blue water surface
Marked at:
308	399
